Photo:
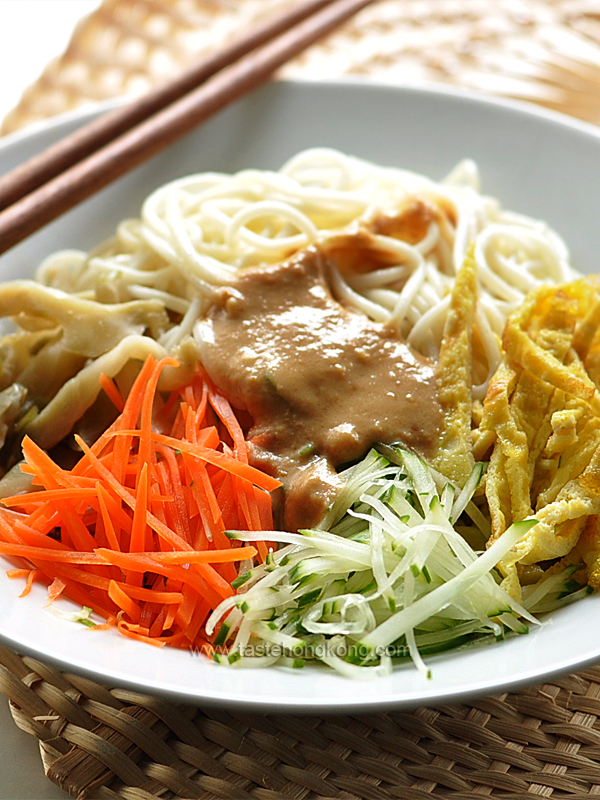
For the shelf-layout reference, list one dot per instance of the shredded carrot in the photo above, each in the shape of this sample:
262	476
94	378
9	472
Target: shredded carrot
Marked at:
214	457
49	554
18	573
105	626
55	590
132	632
121	599
30	576
180	557
112	392
136	530
109	528
33	575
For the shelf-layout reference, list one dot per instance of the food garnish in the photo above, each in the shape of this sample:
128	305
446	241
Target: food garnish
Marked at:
135	530
390	575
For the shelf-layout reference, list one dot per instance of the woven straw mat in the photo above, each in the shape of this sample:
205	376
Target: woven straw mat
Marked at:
110	743
545	51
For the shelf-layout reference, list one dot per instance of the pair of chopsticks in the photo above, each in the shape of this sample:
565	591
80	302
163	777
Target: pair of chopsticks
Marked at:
73	169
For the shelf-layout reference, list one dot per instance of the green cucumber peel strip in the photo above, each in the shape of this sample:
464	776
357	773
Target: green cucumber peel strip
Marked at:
431	603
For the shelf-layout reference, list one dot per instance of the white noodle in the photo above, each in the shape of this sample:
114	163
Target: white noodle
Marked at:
197	232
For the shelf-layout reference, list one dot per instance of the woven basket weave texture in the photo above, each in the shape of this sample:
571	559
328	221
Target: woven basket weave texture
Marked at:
113	743
545	51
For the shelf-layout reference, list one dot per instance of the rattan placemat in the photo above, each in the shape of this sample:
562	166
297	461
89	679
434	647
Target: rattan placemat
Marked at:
113	743
103	742
544	51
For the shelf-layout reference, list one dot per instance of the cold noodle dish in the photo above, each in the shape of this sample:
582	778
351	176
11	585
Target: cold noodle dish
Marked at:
340	412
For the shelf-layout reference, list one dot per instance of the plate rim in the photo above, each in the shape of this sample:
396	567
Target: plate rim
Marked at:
80	116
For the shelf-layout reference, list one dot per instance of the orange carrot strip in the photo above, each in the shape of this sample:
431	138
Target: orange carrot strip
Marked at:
200	540
34	574
214	457
158	624
246	503
75	590
179	509
181	641
200	476
228	504
197	616
52	474
226	415
207	437
221	460
45	520
204	492
30	576
262	550
189	420
166	411
169	517
21	533
47	554
138	528
112	391
145	451
200	414
105	626
250	513
135	397
169	618
55	590
83	587
151	595
123	601
146	563
265	509
99	582
126	630
207	573
17	572
201	491
37	498
211	577
182	557
178	427
120	516
73	574
99	444
158	509
129	498
185	611
73	526
193	516
128	418
109	528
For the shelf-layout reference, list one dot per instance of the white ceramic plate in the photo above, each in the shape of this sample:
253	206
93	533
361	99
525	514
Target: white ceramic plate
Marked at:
537	163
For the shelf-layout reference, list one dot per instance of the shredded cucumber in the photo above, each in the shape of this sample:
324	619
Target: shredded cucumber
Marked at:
385	576
82	615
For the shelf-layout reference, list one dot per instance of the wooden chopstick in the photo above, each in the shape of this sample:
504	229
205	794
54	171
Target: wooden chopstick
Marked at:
91	137
154	133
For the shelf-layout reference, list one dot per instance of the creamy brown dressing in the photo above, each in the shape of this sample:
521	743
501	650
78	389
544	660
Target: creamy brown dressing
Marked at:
320	382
